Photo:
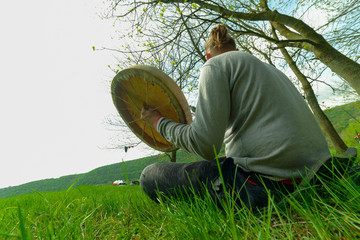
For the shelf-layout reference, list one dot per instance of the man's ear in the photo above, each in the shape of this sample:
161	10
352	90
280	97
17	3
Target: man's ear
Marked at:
208	56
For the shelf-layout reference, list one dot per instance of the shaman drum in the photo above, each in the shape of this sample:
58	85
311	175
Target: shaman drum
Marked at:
140	84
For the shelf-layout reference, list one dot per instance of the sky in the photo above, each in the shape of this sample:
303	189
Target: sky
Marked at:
54	90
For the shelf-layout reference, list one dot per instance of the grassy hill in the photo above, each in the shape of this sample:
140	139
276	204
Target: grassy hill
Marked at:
100	176
345	118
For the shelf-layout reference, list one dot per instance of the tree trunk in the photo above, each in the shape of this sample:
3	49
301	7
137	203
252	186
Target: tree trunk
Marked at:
346	68
340	64
323	120
173	156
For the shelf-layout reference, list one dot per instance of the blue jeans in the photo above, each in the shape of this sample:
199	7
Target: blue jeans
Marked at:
175	179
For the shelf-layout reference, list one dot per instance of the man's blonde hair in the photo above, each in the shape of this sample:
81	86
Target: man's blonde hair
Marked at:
219	39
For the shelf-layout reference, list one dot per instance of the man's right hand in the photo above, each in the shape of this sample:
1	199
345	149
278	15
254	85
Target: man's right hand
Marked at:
149	115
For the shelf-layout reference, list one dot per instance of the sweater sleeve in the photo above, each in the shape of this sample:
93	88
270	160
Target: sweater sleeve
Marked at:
211	117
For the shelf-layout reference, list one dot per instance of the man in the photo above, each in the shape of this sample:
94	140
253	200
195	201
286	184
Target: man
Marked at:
272	140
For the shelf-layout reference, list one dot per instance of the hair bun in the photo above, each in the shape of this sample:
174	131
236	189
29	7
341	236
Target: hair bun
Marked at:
220	39
219	35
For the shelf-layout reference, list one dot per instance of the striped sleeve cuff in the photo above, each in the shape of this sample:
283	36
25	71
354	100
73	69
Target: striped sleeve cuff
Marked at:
158	122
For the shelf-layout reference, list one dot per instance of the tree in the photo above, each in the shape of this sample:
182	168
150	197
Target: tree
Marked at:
324	121
174	32
246	15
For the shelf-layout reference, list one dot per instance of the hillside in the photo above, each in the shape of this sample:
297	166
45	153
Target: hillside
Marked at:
100	176
345	118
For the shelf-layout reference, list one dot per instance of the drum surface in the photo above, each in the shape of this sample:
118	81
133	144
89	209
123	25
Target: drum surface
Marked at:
140	84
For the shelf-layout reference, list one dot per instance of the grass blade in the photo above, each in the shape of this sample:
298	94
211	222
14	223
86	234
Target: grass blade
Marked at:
23	231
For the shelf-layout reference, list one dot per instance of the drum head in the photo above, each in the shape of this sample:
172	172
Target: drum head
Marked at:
140	84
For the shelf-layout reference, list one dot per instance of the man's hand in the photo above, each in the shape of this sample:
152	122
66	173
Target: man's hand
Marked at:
149	115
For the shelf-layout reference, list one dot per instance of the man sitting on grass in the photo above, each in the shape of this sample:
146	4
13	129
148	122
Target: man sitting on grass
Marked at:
272	140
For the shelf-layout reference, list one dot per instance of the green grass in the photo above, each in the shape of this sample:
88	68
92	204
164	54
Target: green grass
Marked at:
83	211
125	212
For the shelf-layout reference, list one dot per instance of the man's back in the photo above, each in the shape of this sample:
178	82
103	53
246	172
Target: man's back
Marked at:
270	128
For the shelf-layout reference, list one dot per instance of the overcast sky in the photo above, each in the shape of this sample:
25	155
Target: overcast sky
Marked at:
54	91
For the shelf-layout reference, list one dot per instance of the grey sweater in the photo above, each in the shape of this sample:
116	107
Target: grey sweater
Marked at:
254	108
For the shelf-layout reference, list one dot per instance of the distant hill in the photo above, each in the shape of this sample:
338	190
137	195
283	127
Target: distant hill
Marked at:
345	118
99	176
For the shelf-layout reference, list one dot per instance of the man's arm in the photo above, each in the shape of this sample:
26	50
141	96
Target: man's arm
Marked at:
211	117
